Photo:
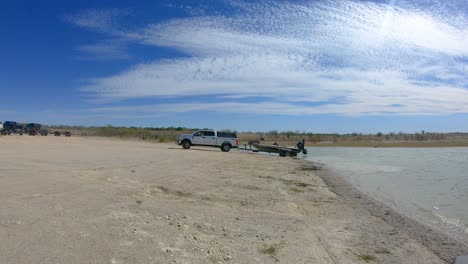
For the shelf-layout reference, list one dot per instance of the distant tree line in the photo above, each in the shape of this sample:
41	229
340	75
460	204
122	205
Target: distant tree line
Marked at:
163	134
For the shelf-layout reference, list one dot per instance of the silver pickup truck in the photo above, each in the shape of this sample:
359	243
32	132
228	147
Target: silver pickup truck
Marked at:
223	140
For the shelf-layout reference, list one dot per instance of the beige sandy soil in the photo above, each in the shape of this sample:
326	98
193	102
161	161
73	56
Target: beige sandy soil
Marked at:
82	200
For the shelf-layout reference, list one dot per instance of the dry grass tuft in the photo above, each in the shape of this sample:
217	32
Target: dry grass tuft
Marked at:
367	258
269	250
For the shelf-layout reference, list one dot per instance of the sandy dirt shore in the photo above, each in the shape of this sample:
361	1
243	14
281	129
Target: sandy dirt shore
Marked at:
87	200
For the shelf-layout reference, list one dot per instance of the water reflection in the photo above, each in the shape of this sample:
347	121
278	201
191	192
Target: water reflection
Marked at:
428	184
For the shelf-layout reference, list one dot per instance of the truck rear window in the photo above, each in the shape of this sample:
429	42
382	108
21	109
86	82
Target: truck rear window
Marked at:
227	134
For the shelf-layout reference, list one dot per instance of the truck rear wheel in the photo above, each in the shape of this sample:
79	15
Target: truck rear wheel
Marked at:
186	144
225	147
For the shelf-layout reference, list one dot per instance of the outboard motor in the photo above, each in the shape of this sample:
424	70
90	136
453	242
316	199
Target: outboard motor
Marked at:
301	146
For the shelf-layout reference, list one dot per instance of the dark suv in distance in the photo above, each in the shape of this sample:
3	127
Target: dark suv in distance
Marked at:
44	132
11	127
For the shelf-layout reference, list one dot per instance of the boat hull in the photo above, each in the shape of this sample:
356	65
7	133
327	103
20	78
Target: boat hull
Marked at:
283	151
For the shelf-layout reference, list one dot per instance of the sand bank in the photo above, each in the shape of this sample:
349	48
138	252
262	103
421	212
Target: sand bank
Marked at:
85	200
442	245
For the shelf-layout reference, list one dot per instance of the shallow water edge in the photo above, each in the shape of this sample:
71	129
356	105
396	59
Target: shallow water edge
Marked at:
441	244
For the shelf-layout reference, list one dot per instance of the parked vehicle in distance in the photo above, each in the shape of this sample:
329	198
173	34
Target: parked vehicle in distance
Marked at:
32	129
44	132
57	133
223	140
11	127
67	133
1	129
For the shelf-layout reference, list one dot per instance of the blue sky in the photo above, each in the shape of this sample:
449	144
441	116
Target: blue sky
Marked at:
316	66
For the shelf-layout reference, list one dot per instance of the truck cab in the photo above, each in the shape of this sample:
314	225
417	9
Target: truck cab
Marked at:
204	137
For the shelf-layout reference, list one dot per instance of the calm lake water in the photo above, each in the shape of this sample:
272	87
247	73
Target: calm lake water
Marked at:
427	184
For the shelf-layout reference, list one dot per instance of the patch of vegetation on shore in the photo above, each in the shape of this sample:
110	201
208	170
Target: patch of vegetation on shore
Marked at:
154	134
289	138
392	139
367	258
268	249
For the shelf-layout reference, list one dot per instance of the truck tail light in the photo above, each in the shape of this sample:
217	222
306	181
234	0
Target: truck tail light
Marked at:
237	141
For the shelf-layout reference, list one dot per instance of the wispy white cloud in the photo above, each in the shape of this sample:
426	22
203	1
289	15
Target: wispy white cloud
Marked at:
377	59
104	21
351	109
98	19
105	50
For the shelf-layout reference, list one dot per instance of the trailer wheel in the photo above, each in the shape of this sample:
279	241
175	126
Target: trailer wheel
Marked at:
225	147
283	154
186	144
